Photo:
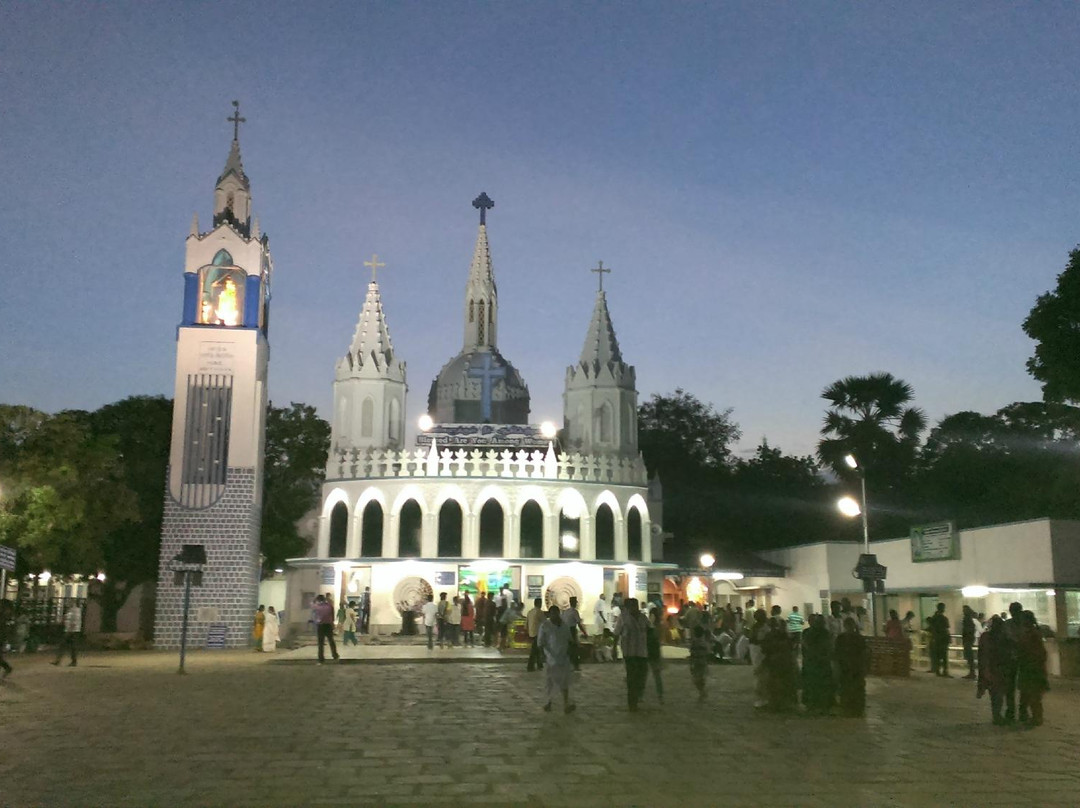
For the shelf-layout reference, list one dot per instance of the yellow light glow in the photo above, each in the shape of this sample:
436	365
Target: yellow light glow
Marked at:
848	506
548	430
707	559
425	423
851	461
228	312
696	590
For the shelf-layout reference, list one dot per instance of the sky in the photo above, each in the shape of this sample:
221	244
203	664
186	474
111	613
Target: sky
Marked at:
787	193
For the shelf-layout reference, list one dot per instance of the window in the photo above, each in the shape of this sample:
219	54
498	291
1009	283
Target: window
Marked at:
367	417
410	521
634	538
450	529
491	530
532	530
605	533
339	530
371	531
206	431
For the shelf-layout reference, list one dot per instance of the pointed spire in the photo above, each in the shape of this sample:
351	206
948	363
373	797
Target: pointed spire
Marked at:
481	271
371	341
233	165
194	225
256	233
601	345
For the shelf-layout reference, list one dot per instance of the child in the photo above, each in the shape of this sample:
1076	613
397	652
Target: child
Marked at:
605	645
699	661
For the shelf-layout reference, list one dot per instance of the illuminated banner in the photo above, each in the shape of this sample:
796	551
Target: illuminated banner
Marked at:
511	436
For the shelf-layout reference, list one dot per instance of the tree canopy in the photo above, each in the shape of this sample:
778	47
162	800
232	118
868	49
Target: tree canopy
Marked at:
1054	324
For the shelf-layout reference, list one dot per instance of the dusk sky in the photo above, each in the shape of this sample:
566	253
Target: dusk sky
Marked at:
788	192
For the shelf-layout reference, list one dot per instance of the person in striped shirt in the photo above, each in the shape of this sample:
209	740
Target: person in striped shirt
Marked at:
795	626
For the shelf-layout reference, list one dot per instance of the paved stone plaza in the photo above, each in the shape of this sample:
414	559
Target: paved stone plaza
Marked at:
125	730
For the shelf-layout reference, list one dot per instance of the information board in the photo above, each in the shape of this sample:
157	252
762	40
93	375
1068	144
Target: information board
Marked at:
7	558
936	542
216	634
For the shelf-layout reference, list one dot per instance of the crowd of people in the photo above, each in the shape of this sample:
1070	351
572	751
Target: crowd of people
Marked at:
821	661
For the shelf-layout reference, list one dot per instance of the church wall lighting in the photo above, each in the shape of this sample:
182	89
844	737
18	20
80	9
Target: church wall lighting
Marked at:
727	576
569	541
975	591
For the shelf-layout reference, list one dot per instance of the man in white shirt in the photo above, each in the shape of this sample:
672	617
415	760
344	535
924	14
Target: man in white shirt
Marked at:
72	630
601	615
430	612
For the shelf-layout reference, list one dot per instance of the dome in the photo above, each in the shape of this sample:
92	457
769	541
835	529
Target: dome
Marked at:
458	393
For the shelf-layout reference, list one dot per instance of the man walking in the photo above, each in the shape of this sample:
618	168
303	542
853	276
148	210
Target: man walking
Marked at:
967	636
323	614
365	610
72	630
633	631
572	617
938	624
533	622
430	612
441	612
1014	630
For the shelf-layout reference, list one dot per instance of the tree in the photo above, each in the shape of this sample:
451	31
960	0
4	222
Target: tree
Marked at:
680	434
64	492
141	427
1018	463
297	442
869	417
1054	324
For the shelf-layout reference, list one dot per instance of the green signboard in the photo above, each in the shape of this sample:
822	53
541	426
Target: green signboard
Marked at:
936	542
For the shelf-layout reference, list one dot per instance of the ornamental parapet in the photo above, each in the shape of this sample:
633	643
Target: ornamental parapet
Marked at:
361	464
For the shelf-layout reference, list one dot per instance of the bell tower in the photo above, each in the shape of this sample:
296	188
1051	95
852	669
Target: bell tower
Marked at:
214	481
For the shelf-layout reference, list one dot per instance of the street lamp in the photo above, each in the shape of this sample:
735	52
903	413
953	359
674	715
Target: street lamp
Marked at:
849	507
707	560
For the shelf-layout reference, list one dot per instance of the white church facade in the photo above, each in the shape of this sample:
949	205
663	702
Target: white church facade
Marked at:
484	498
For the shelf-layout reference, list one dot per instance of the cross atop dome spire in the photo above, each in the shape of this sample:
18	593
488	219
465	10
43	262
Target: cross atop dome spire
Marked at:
236	120
483	203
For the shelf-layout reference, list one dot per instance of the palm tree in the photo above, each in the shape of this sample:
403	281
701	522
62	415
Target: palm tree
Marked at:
870	418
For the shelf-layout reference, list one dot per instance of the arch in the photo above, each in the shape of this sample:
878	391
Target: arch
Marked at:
332	499
571	501
339	530
371	530
413	492
222	257
604	532
410	525
532	530
605	497
367	417
451	520
635	538
492	540
569	534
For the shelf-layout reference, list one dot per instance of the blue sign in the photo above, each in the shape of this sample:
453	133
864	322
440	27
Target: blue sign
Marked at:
328	576
216	634
7	558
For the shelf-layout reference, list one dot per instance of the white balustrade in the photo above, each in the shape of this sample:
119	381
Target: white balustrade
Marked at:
360	464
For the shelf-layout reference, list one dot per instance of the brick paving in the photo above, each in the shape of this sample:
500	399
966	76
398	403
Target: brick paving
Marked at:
125	730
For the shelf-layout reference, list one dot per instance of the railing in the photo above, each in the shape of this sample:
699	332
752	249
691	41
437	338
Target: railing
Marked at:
352	464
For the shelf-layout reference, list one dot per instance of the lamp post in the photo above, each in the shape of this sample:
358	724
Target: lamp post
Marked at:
849	507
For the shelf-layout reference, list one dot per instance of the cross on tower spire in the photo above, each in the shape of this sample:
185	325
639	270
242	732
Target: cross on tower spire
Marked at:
483	203
374	263
601	270
236	120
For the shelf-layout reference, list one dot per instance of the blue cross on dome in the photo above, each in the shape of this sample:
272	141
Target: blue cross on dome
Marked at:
482	369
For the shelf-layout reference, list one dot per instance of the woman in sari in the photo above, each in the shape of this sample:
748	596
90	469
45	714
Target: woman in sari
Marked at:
995	659
852	662
271	628
1031	670
257	629
817	661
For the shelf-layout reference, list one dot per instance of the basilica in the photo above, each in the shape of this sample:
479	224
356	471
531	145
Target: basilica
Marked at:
484	498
